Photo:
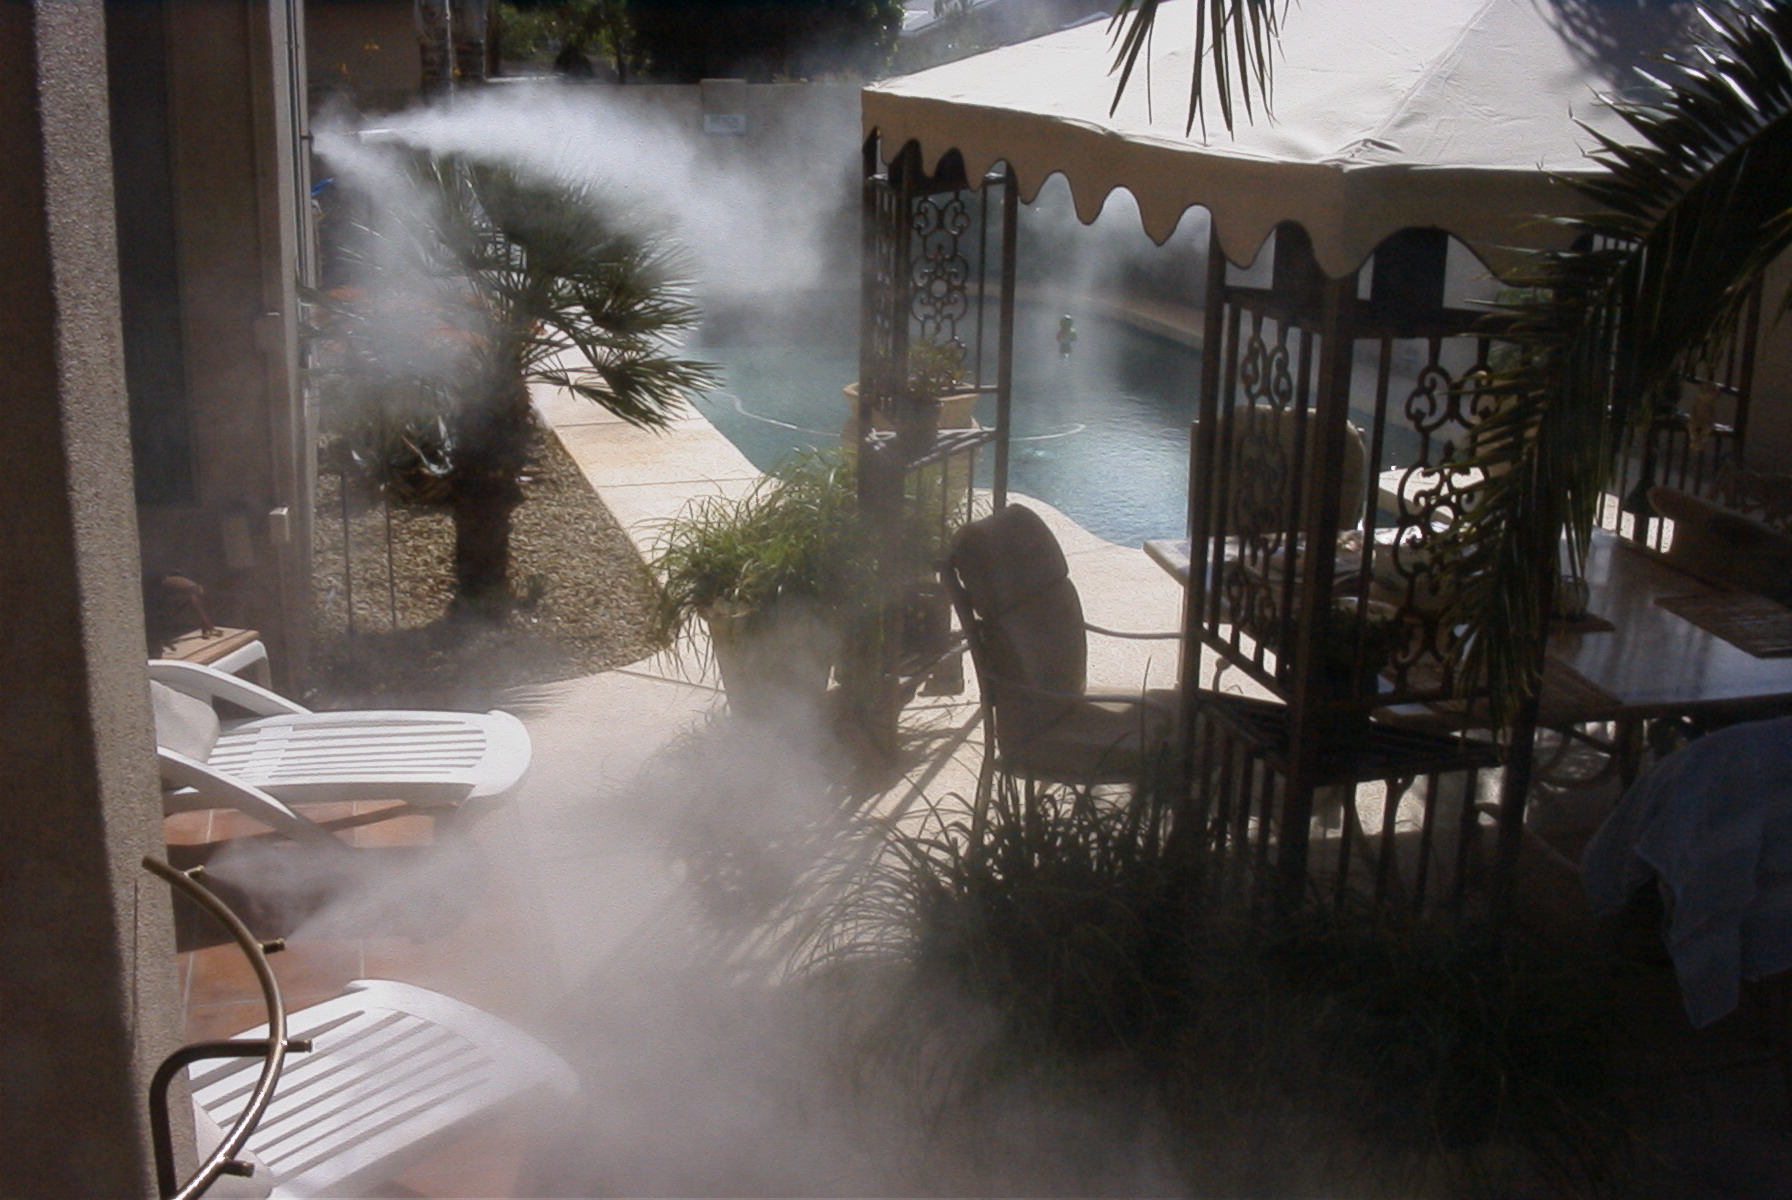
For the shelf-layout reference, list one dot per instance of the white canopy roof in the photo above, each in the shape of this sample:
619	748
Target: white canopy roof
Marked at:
1395	113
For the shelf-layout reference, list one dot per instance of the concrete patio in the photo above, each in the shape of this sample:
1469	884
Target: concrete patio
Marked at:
608	730
576	877
576	888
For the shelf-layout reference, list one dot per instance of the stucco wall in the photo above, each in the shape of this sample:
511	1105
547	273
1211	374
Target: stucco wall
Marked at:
87	995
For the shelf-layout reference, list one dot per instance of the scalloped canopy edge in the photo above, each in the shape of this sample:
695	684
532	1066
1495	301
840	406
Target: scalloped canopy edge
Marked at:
1461	115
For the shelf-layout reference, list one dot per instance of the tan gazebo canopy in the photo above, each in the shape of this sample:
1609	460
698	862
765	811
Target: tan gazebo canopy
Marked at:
1389	115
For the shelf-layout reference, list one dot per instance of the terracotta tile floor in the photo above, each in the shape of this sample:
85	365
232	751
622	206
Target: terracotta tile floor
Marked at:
222	998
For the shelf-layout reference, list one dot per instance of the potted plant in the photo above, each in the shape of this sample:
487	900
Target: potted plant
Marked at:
936	376
770	576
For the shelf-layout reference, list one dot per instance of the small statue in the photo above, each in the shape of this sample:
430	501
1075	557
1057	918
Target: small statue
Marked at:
1066	336
173	606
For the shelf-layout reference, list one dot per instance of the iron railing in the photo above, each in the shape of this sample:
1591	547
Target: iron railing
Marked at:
273	1050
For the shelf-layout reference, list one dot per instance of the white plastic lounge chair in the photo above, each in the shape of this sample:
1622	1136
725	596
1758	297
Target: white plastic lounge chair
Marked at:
394	1070
284	754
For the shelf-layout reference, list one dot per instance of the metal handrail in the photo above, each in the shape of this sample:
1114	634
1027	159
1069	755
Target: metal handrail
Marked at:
273	1049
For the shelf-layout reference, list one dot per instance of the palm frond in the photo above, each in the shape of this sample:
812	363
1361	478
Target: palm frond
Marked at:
1239	37
1692	213
546	277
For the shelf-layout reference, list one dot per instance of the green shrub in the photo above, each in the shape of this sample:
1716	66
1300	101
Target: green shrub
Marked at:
1345	1050
794	535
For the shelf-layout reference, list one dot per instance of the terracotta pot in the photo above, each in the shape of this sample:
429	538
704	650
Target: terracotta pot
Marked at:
772	662
956	411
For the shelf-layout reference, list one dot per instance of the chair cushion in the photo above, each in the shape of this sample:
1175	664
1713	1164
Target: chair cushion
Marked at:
1090	741
1032	620
1725	547
184	724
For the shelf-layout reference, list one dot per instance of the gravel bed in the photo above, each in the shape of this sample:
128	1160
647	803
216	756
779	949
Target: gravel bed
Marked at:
380	638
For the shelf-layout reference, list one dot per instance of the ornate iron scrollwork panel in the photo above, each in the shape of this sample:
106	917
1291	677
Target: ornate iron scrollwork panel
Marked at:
1432	493
1261	448
885	277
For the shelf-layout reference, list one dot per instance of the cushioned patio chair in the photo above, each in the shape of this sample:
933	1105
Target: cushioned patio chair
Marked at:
394	1071
1725	547
1023	621
284	754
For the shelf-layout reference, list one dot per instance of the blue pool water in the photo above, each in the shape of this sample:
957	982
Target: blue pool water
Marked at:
1101	434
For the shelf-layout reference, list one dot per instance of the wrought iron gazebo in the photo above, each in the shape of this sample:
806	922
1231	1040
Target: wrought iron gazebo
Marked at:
1412	147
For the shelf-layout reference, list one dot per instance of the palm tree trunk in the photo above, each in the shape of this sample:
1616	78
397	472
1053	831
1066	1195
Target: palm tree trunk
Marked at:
494	442
481	510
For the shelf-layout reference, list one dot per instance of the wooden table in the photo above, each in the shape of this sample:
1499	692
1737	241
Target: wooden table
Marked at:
1654	662
1650	663
238	651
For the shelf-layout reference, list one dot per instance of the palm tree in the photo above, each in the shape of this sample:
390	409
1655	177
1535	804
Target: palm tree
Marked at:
1692	215
493	278
1237	36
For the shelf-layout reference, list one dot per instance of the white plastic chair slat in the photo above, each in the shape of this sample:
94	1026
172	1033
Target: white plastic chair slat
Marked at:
460	750
394	1067
333	1093
299	739
278	776
355	735
208	1082
399	1114
367	1052
256	769
351	1103
407	1065
298	756
345	1062
356	1034
360	1114
301	752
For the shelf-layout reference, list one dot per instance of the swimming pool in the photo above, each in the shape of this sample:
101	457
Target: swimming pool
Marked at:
1101	434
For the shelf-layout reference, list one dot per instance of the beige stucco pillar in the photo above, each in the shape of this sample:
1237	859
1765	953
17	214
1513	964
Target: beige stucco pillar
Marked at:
87	998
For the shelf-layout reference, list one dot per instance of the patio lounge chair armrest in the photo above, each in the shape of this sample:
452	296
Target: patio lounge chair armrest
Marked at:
208	683
216	790
1128	633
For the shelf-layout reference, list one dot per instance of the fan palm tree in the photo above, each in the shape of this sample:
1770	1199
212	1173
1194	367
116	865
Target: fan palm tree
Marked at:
492	279
1692	214
1236	36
